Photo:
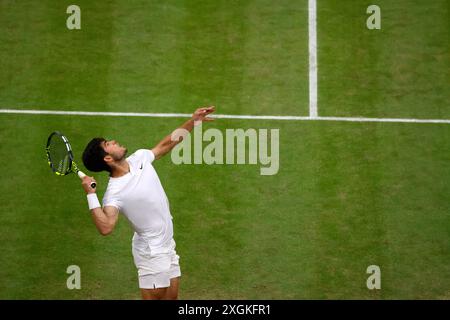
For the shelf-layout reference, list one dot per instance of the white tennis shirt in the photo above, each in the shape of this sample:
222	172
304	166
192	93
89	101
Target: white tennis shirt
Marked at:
140	196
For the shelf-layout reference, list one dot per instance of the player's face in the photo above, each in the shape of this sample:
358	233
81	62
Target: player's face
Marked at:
114	149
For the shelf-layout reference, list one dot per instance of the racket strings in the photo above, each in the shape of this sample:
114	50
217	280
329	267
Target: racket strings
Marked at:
59	156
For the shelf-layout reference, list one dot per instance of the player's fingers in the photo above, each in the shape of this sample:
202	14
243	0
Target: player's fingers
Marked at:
208	111
208	119
88	180
206	108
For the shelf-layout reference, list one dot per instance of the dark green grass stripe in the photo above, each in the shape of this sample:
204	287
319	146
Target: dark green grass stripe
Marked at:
416	74
280	218
417	212
349	226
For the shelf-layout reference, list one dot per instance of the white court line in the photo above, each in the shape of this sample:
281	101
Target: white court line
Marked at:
219	116
312	40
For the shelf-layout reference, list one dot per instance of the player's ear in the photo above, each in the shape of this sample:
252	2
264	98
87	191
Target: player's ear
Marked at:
108	159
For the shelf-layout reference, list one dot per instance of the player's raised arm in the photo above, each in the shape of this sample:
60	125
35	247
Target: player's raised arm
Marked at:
167	144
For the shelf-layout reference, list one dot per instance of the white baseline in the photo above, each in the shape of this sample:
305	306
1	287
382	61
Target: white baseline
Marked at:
219	116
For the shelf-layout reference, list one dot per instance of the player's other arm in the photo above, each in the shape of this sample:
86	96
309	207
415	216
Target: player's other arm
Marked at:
105	219
167	144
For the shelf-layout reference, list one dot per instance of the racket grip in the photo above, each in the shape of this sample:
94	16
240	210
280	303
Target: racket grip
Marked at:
82	175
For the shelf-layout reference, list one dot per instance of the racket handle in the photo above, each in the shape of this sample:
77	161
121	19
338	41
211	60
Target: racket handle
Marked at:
82	175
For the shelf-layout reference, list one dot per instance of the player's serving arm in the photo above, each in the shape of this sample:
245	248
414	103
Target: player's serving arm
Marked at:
135	190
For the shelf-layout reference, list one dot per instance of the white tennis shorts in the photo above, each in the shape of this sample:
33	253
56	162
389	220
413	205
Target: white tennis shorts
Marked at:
155	266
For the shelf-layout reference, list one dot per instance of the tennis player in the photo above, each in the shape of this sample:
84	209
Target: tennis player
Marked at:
135	190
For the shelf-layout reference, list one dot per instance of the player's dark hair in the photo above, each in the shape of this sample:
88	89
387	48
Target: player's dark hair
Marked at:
93	156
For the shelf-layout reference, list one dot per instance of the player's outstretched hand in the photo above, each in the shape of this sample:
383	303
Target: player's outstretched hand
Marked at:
201	114
86	183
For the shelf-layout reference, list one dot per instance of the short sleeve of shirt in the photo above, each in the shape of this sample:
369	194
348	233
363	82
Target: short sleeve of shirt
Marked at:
145	155
111	199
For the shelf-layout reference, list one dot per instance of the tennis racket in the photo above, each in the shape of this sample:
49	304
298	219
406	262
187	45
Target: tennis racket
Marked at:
60	156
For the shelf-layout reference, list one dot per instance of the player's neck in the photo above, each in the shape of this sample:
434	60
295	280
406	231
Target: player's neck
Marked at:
120	169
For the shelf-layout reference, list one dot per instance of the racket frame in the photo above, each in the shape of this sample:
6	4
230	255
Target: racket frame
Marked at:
72	165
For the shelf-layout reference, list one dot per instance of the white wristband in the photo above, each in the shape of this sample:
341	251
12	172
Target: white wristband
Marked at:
93	201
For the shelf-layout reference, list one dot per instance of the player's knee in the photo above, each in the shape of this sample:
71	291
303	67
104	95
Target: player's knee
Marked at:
172	296
153	294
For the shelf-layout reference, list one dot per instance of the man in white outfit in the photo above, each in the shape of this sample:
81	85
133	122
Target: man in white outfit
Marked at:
135	190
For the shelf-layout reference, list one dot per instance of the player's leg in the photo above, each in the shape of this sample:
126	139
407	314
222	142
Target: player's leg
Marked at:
172	291
160	285
174	275
154	294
